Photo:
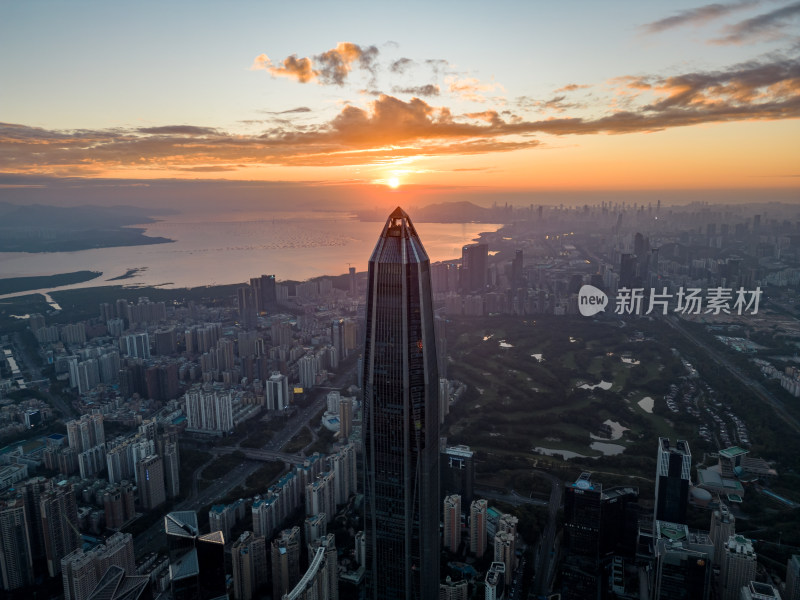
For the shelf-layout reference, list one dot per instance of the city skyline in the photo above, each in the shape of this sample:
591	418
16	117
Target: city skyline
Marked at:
581	99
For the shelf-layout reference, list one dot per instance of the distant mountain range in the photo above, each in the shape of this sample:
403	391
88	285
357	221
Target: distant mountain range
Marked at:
447	212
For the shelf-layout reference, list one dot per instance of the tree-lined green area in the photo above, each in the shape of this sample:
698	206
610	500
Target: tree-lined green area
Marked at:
12	285
524	381
516	402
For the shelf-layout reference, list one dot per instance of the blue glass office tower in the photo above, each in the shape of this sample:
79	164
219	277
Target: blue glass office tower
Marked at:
401	427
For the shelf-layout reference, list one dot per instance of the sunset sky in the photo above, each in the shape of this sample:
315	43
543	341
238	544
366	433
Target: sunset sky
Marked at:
502	96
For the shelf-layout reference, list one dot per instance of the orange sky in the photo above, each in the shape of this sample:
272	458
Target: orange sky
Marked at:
685	96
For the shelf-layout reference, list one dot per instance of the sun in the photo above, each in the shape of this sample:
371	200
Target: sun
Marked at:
393	182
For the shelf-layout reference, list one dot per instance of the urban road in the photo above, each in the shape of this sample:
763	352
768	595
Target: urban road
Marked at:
153	538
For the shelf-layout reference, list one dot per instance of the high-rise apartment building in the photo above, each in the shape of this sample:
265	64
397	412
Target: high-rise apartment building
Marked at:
401	419
81	571
452	522
285	562
249	554
59	514
673	475
477	527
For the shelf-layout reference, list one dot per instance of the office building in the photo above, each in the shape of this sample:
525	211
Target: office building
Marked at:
197	562
683	563
673	475
277	391
723	526
345	418
401	422
152	492
477	527
452	523
16	560
59	514
759	591
457	472
248	308
738	567
249	556
793	577
115	584
172	466
474	267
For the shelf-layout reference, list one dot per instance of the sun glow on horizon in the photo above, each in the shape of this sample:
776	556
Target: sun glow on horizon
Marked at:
393	182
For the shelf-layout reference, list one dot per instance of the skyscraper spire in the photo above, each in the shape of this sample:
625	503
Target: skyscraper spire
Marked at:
401	419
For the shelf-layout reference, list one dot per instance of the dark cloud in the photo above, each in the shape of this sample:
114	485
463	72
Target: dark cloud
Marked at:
437	65
420	90
299	109
400	65
767	26
331	67
335	64
698	16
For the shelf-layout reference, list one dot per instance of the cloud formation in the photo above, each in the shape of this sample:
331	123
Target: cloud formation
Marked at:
329	68
419	90
389	128
401	65
698	16
470	88
770	25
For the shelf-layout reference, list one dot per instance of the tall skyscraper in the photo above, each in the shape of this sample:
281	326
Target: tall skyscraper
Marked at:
474	264
793	577
673	473
723	526
401	422
477	527
16	562
738	567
